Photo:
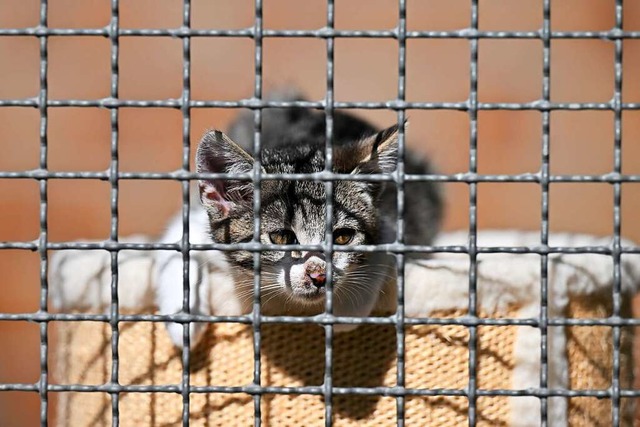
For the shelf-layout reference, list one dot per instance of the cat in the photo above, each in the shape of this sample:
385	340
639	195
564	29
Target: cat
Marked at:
293	212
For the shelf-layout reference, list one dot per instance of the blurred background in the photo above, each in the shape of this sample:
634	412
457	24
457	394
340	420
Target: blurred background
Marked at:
509	142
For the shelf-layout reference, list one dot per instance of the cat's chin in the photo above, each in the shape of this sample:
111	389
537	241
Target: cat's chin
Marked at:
294	304
307	298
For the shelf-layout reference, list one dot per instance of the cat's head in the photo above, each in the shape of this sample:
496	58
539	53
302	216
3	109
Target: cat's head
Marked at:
294	212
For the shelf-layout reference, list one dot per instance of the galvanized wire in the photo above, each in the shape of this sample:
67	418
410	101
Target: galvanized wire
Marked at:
544	216
400	208
617	225
472	387
113	232
185	386
43	381
256	319
328	237
113	32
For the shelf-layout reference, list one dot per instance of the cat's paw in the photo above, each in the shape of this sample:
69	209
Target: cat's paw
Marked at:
176	333
169	295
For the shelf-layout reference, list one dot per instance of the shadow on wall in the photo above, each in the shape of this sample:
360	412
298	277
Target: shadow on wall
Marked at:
150	139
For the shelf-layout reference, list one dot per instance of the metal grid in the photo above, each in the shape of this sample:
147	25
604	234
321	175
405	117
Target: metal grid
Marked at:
544	105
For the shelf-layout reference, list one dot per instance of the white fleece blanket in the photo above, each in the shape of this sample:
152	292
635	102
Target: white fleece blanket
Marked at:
80	279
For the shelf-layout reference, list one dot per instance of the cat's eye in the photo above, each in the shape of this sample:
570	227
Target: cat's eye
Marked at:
343	236
283	237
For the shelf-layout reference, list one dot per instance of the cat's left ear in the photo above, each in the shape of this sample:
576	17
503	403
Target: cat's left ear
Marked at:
379	152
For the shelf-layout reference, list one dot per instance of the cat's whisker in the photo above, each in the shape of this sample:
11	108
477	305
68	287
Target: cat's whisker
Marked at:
274	295
355	298
288	300
364	275
263	291
363	286
340	293
269	293
349	293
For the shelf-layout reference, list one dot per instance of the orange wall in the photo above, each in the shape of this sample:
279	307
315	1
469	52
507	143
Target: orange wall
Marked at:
365	69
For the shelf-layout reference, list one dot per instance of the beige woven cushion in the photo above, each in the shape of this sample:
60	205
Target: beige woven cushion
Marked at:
293	355
590	353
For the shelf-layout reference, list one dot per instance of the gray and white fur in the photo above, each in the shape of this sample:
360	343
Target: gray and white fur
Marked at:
292	212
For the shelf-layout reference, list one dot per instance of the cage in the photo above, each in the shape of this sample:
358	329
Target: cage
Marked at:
96	96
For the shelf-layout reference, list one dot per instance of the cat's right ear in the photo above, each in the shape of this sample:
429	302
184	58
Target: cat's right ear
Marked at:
219	154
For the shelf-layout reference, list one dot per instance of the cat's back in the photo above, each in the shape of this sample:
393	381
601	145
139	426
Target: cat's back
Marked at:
284	128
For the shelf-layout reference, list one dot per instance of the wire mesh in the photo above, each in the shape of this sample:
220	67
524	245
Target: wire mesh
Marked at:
400	105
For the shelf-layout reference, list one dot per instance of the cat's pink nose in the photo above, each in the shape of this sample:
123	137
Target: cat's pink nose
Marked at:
318	279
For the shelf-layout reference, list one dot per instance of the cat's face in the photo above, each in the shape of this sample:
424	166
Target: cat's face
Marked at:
294	212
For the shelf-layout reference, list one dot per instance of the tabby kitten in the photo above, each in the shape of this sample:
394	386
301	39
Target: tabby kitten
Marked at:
293	212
